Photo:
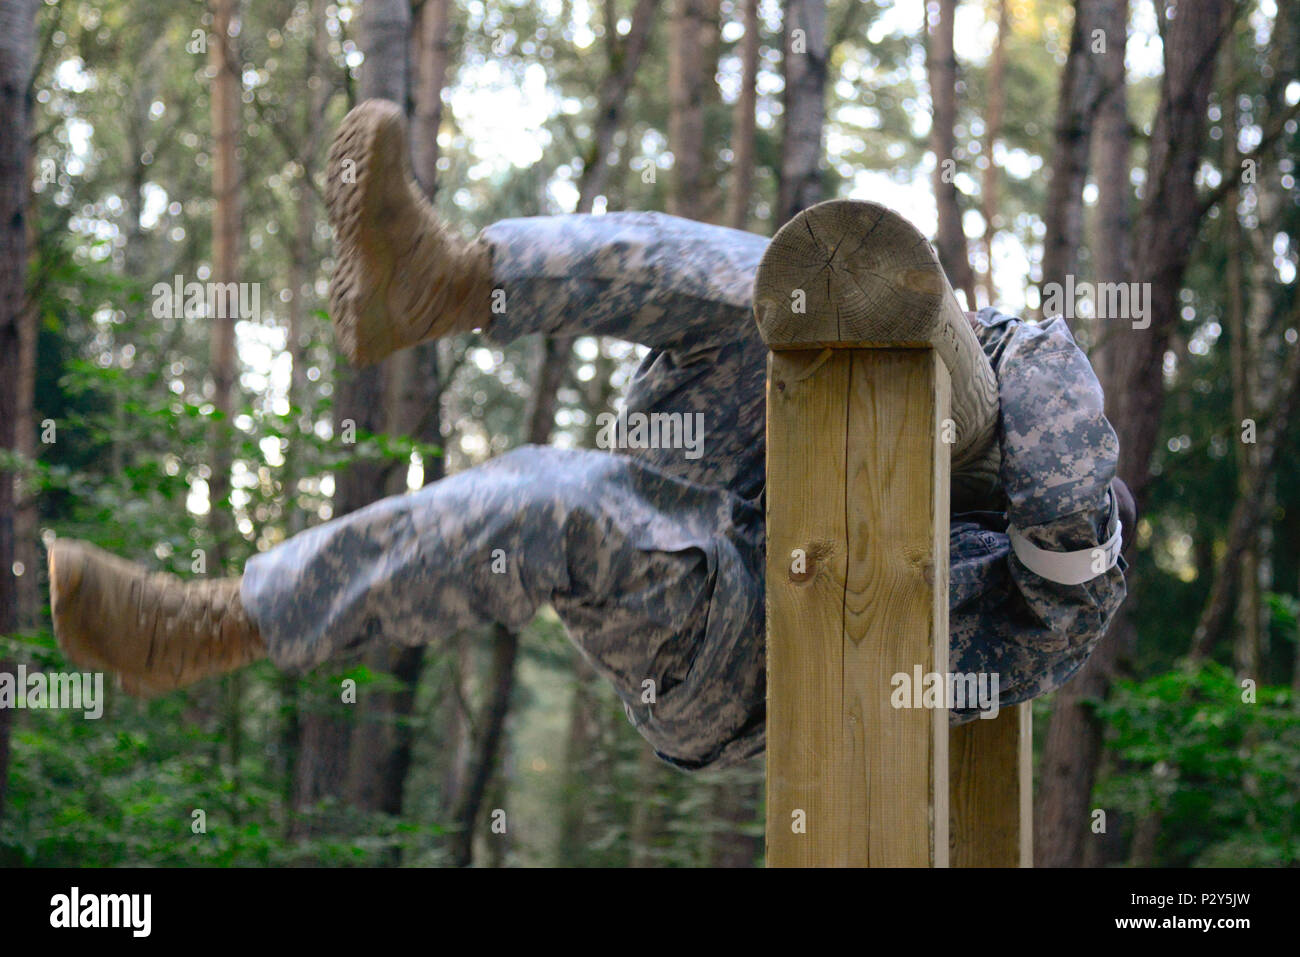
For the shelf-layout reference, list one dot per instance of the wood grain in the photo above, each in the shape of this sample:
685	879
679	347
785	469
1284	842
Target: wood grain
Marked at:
850	273
858	481
991	790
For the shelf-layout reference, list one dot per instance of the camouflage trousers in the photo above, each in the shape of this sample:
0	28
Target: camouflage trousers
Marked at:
652	553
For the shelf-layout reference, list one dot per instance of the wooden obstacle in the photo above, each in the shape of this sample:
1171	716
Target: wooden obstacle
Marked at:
876	387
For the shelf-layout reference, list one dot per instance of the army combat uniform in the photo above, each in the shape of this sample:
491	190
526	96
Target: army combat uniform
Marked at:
653	558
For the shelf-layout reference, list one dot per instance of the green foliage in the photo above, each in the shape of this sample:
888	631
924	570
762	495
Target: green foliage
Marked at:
1222	775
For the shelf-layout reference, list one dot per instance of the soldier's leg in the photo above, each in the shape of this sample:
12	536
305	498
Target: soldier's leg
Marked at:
658	280
681	288
654	578
651	577
402	276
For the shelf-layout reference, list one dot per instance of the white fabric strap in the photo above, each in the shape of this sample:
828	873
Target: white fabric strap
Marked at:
1071	568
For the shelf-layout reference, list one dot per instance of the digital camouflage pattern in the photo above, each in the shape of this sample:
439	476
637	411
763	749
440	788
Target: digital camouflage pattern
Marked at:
653	560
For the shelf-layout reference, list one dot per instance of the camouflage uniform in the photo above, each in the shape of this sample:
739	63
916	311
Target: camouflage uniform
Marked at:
653	560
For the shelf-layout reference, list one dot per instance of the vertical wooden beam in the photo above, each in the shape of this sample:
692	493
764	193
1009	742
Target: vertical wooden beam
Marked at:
857	584
864	425
991	797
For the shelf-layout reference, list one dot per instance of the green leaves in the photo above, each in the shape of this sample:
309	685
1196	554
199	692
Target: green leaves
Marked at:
1223	775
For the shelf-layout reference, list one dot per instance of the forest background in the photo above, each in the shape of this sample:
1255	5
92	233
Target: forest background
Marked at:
1038	142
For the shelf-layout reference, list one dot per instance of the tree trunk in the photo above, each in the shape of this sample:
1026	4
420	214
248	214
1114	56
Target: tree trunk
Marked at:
686	104
553	354
385	29
804	57
302	261
645	822
950	243
1295	667
505	649
578	746
743	123
553	360
992	134
430	57
1070	756
324	760
322	763
1081	88
581	769
712	116
1112	248
27	549
382	736
17	50
1166	228
1264	345
1241	358
736	801
225	100
225	104
301	269
362	393
1246	513
624	59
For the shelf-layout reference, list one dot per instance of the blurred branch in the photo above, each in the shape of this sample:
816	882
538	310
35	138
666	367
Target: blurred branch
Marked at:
848	24
1232	178
292	150
47	44
1246	513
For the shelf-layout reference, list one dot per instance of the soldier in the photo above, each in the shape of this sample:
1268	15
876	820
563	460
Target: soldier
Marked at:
652	558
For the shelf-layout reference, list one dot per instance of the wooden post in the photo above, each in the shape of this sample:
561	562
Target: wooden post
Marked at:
991	791
876	385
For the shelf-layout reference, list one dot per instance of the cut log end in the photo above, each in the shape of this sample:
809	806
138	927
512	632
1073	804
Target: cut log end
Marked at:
849	273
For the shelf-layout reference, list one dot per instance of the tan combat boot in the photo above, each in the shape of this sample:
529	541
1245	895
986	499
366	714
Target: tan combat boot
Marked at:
401	276
155	631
